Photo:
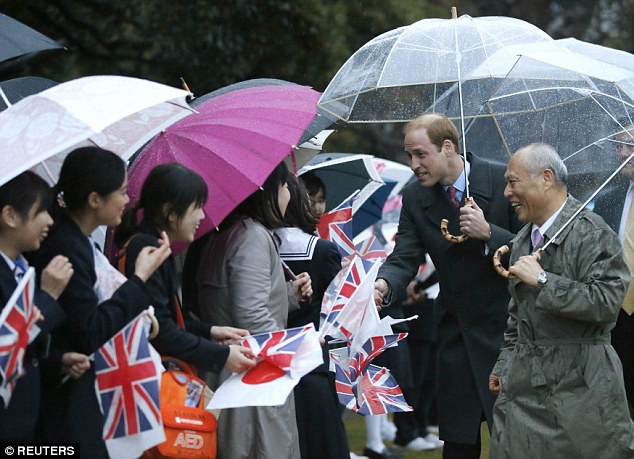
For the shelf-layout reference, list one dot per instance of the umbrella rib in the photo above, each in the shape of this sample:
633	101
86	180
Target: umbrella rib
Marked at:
378	82
5	99
599	140
588	92
585	204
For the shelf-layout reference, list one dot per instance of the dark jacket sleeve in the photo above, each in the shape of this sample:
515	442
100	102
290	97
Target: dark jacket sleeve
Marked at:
402	264
53	313
172	340
90	323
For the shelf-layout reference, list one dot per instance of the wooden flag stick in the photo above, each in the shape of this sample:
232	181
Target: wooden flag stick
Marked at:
454	12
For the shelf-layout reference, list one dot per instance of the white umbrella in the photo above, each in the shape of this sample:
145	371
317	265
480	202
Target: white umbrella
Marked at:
113	112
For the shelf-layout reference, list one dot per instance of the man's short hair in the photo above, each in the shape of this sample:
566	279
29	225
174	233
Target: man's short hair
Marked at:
544	156
439	128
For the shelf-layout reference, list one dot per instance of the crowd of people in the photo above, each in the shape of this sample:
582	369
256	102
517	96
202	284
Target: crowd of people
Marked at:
531	355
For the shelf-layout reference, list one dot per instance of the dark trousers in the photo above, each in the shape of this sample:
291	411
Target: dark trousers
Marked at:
421	396
623	343
453	450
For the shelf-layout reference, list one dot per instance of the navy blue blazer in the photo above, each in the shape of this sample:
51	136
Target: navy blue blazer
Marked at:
18	419
72	410
191	345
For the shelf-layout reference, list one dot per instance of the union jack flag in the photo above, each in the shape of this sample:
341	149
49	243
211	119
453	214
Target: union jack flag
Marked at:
371	349
379	393
373	391
343	385
17	330
128	373
347	303
368	249
336	226
278	347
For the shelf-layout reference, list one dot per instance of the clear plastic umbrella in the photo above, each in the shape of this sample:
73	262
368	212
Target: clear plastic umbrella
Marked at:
599	52
402	73
577	105
581	106
405	72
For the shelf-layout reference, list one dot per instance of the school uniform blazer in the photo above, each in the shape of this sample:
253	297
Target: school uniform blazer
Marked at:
472	308
18	419
72	410
191	345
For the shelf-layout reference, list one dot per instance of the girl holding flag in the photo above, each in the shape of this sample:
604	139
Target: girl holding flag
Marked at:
315	394
24	223
171	199
92	191
241	283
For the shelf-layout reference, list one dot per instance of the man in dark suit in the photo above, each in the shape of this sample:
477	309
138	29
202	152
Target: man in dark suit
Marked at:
616	207
471	310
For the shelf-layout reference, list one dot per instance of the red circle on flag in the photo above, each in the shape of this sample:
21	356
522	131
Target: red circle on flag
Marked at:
262	373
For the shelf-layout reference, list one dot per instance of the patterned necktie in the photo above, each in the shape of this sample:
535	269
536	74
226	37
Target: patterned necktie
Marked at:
451	190
536	237
628	252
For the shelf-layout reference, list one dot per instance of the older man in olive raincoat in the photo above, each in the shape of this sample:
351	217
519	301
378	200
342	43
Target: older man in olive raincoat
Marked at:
560	383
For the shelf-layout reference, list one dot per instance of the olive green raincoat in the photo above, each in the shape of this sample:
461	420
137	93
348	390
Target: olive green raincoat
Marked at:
562	384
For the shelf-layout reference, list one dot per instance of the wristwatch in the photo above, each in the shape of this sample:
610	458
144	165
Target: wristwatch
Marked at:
542	278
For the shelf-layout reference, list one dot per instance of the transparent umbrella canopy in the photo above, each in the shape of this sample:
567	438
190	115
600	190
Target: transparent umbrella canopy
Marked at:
404	72
599	52
578	106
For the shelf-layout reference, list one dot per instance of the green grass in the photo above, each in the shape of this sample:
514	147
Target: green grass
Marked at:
355	428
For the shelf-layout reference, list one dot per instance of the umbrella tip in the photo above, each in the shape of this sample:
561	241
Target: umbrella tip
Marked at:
454	12
186	88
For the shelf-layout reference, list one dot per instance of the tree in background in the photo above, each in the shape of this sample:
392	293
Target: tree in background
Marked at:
213	43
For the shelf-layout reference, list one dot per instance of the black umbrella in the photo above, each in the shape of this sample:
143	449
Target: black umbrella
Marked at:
18	39
13	90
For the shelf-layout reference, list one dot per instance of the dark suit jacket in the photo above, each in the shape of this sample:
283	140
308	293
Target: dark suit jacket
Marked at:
471	309
72	410
191	345
18	420
610	207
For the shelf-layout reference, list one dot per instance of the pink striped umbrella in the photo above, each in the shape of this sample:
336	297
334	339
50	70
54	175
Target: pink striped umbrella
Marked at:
234	142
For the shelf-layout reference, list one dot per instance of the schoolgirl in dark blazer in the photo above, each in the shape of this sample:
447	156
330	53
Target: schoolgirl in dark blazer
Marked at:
171	199
24	222
315	396
92	191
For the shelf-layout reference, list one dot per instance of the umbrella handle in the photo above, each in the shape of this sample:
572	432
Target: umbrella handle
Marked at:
497	260
154	329
444	223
